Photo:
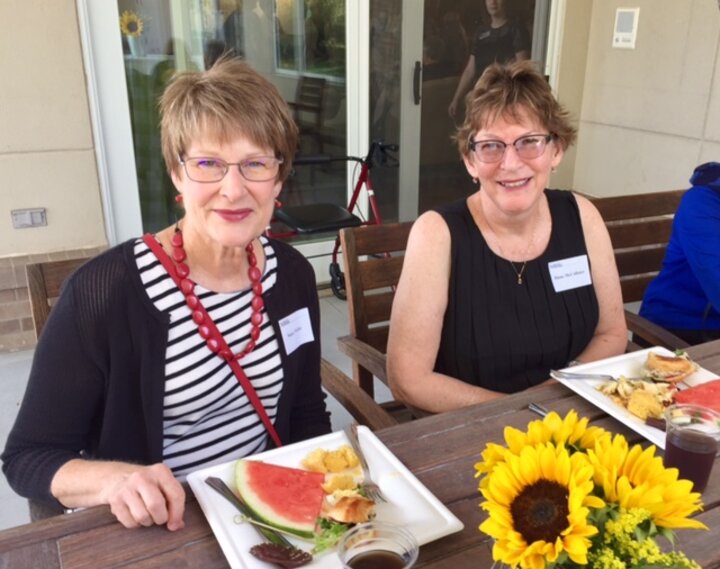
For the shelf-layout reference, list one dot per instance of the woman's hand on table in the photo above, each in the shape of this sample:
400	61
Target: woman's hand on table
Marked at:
137	495
148	496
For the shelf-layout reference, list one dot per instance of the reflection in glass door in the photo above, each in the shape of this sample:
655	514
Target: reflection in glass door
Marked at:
385	56
299	45
417	60
461	36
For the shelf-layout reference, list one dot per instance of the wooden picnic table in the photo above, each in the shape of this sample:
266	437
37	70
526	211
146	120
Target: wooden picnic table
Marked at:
440	450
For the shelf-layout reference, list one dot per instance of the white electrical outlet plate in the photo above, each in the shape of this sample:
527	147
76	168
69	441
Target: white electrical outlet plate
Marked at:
22	218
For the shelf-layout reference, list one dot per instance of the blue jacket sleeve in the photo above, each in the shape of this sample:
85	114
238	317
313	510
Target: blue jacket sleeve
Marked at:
698	226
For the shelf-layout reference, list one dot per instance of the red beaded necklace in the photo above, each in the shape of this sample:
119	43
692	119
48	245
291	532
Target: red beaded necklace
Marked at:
200	315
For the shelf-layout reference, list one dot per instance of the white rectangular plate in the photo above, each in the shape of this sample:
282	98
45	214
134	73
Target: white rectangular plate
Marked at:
629	365
411	505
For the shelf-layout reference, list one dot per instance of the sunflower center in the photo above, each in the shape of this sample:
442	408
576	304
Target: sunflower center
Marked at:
540	511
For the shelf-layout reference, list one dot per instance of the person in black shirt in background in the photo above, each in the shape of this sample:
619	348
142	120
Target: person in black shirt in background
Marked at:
505	39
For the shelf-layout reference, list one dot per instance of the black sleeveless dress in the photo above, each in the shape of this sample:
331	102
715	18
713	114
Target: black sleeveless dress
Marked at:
506	336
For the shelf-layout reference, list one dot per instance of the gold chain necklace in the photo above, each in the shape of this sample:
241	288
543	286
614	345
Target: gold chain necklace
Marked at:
502	253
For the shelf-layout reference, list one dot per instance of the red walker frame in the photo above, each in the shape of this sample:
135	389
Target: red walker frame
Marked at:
325	217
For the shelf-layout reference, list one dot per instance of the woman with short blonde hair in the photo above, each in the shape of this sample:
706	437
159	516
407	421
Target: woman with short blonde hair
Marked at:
191	347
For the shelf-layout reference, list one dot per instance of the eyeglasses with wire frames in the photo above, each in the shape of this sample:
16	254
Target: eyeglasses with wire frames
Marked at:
527	147
208	170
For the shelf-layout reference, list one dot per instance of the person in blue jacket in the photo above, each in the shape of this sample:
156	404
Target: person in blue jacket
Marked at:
685	297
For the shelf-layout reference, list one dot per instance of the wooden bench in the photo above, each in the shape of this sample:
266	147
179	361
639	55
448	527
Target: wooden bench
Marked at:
640	226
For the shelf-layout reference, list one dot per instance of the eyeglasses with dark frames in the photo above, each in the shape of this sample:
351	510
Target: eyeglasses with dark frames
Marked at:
208	170
527	147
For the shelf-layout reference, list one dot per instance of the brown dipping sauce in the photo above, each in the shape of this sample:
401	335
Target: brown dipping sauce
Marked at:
377	560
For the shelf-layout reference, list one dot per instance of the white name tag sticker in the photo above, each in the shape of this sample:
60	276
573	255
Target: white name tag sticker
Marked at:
296	330
570	273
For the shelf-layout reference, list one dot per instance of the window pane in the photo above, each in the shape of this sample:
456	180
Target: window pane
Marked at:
190	35
325	37
286	30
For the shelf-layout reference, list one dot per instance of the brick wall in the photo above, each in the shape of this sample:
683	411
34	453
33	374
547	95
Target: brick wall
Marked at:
16	325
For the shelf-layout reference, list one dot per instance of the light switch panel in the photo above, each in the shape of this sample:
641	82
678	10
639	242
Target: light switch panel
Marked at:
626	23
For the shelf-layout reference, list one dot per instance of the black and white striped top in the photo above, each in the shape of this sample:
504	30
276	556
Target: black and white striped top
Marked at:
207	417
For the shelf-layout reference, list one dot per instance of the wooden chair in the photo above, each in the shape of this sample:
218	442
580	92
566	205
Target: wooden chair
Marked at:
45	281
357	402
372	256
308	107
640	227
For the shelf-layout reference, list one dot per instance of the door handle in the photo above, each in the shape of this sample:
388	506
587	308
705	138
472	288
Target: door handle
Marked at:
417	74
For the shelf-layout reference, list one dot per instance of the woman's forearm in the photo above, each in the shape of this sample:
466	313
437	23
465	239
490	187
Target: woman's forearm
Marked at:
604	345
83	483
138	495
436	393
464	83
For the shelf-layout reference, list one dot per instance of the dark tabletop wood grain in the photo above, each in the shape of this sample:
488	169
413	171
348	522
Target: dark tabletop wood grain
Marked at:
440	450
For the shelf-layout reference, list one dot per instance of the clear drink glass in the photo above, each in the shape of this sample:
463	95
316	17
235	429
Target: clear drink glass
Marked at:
692	441
378	545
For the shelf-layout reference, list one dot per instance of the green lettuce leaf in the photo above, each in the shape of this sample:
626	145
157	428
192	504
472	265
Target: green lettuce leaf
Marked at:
327	534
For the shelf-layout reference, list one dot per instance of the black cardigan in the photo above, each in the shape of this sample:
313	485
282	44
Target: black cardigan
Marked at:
97	381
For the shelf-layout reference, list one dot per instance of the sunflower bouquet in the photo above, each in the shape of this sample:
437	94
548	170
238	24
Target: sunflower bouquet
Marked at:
565	495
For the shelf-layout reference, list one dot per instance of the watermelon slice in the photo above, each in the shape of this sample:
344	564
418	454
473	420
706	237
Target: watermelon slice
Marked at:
706	394
286	498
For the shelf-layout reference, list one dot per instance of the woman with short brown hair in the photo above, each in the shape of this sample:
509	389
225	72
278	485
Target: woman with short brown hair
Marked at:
515	280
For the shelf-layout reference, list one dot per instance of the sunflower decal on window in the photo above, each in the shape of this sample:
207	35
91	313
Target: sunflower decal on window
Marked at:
131	24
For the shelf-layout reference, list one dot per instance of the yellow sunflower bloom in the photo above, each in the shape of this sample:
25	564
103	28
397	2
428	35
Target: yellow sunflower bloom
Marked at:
636	478
131	24
563	493
538	502
492	455
568	431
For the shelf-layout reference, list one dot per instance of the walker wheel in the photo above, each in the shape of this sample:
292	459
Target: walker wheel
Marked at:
337	281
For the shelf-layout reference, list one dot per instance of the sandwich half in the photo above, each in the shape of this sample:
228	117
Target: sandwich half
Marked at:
669	369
